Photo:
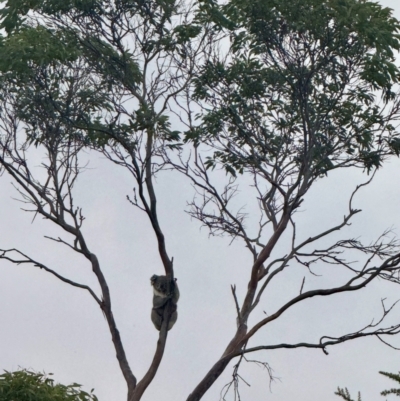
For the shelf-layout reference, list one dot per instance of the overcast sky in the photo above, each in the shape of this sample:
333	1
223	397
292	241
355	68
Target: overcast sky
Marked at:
49	326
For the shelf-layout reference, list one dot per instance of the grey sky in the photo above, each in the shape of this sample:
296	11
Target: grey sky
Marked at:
52	327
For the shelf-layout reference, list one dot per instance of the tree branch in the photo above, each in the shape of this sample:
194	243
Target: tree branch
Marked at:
3	255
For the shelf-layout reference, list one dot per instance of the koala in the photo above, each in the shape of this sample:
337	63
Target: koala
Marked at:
162	293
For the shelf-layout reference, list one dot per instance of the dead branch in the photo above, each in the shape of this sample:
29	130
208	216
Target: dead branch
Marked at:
4	255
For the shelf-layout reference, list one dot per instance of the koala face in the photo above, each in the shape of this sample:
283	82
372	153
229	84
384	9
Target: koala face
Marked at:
160	285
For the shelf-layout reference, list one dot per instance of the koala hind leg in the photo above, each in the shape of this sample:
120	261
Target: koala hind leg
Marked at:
156	318
172	320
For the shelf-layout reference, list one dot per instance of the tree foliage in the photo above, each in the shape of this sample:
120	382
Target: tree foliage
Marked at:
25	385
304	82
396	378
344	393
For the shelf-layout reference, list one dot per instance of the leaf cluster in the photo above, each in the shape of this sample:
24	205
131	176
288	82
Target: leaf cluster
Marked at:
309	79
38	46
24	385
48	43
396	378
345	394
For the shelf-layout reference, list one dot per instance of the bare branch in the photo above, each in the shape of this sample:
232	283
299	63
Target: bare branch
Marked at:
326	341
4	255
302	285
233	288
390	264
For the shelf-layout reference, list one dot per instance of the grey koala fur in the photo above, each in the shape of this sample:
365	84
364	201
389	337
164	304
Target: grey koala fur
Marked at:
161	296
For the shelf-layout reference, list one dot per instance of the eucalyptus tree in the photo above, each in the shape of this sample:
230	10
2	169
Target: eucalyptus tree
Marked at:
99	75
279	93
